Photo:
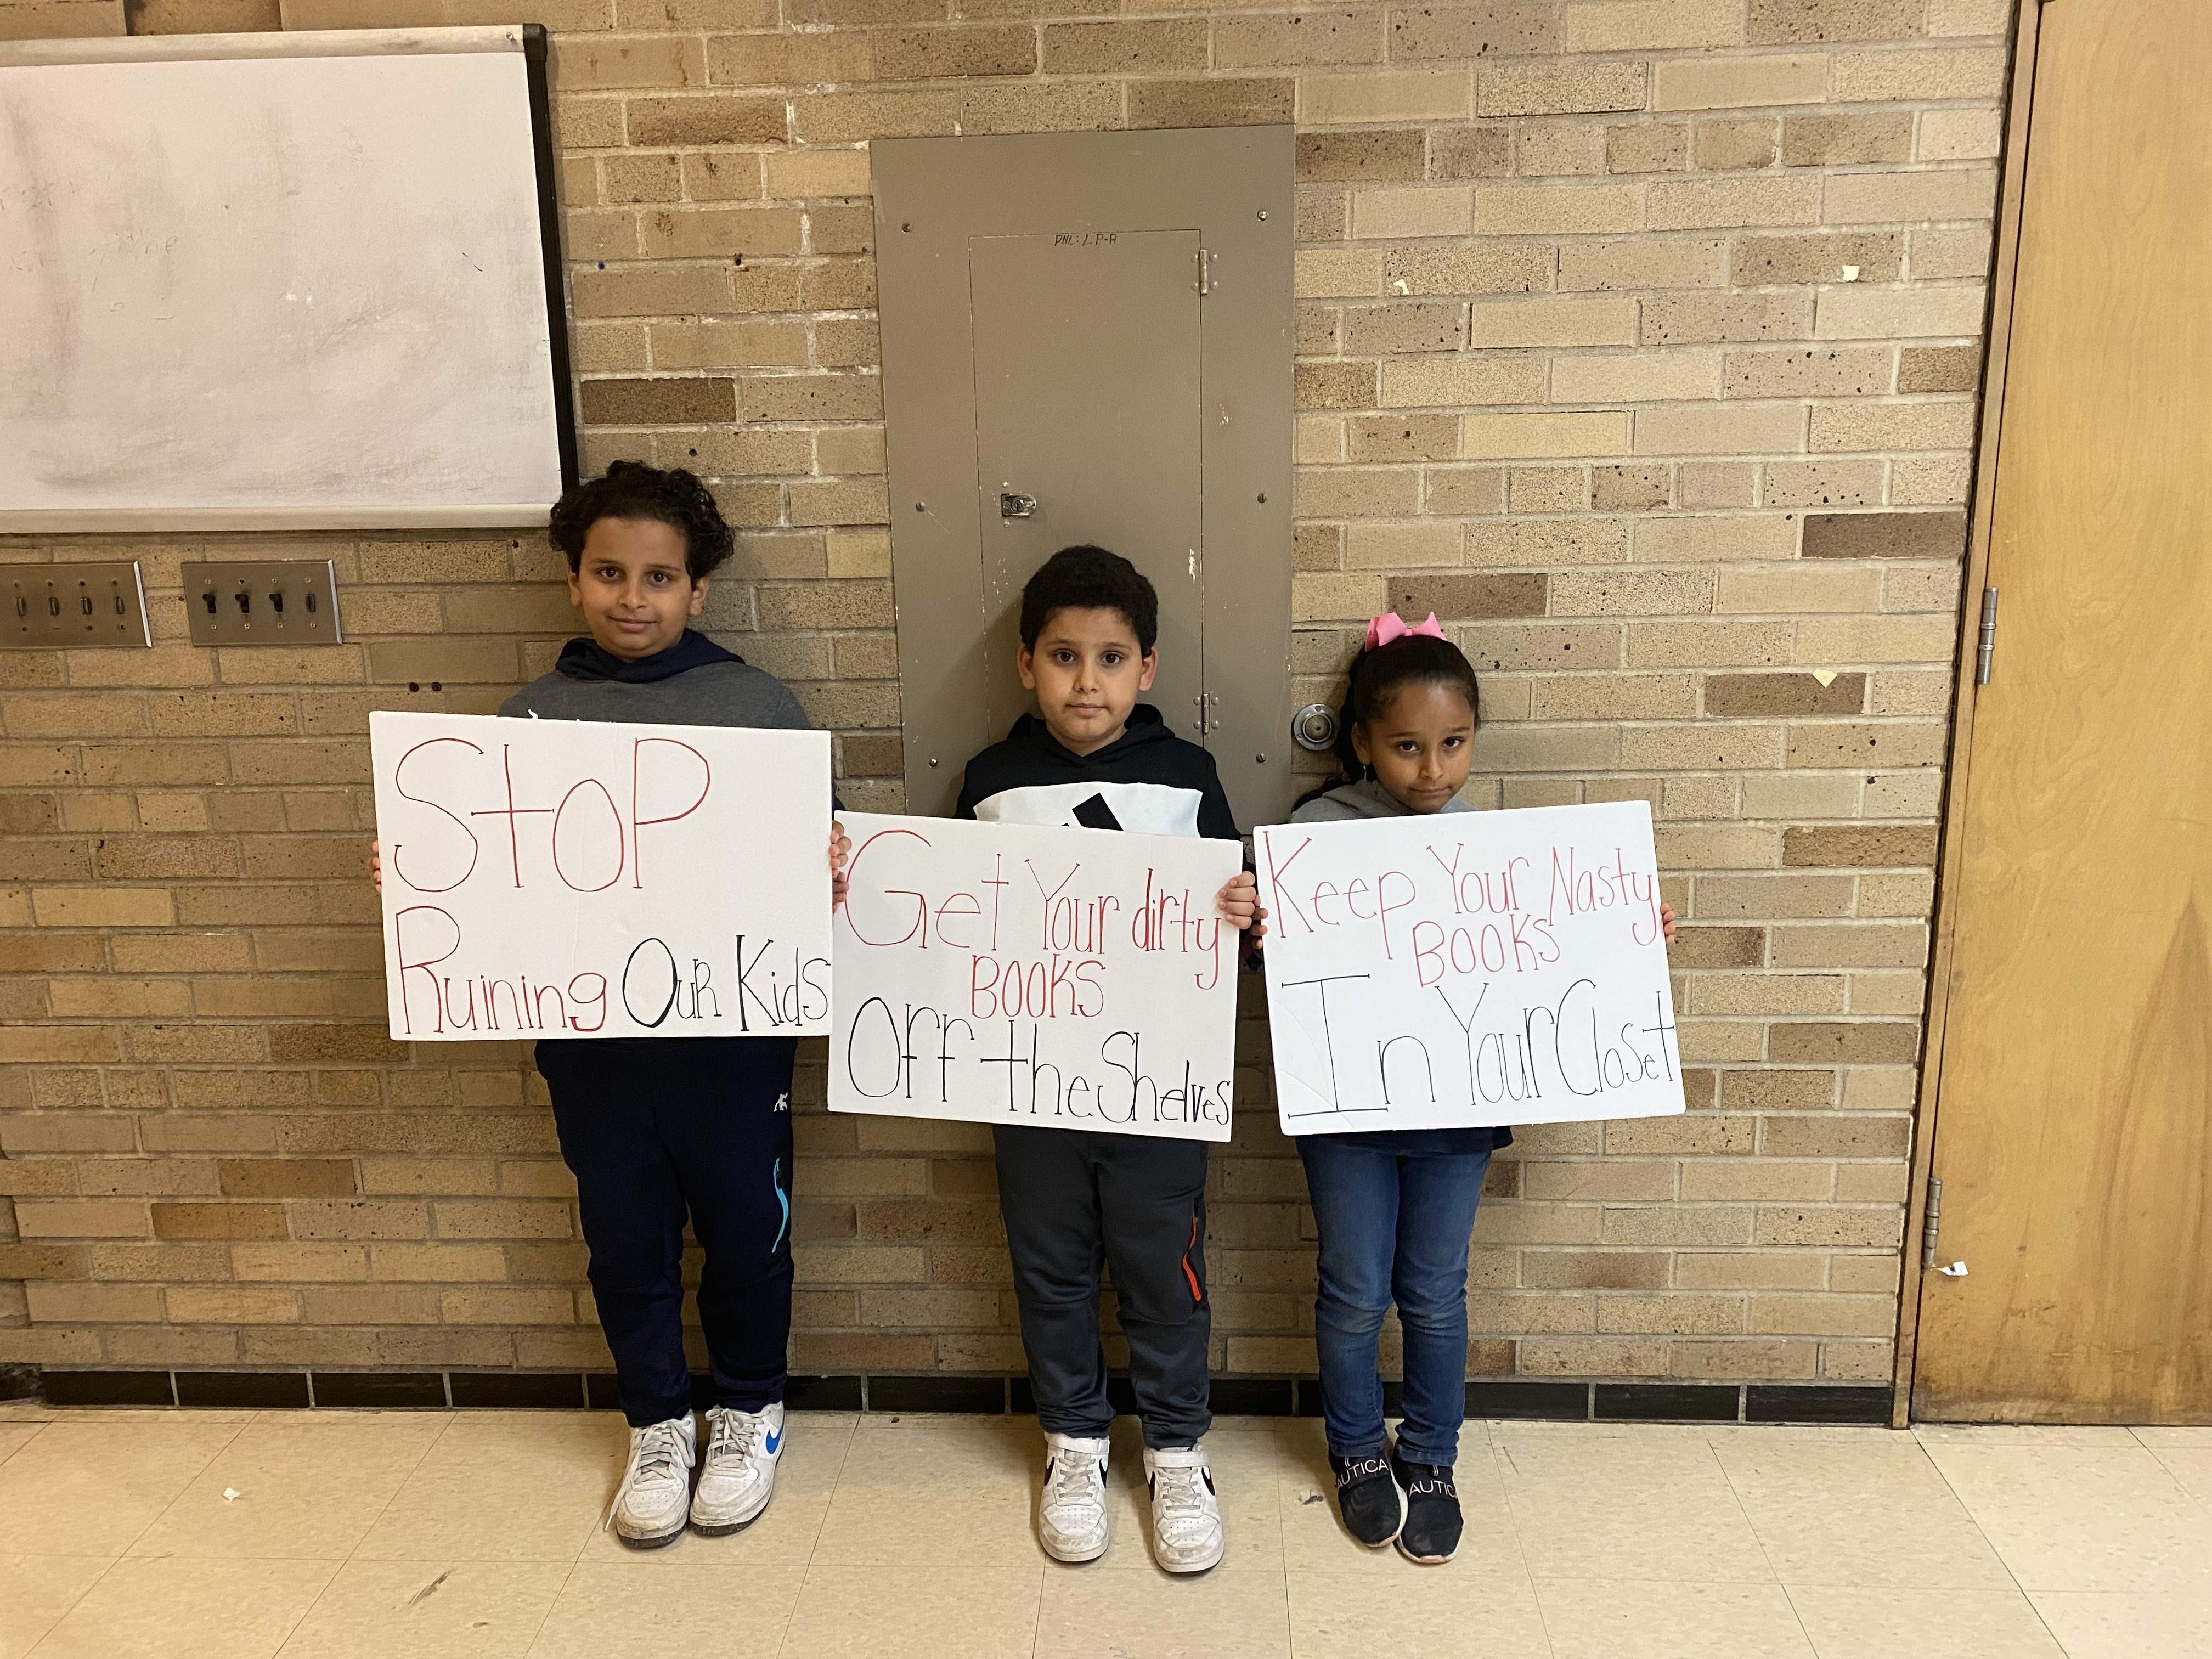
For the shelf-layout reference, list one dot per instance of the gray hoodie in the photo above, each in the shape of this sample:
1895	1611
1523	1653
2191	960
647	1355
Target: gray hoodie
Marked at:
714	694
1362	800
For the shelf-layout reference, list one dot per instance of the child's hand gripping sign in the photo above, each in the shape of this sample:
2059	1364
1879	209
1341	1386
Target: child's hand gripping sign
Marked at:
1459	969
572	879
1068	979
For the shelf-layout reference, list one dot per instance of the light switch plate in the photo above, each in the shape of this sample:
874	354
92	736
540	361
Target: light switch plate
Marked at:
265	602
46	605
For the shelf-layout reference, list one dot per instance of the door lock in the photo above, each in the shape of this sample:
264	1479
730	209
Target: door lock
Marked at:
1313	728
1013	504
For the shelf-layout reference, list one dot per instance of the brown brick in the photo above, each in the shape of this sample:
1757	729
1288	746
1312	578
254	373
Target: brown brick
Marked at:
705	119
1774	1090
1939	368
1938	535
1898	845
284	1177
659	402
1462	599
1456	152
1119	48
1788	23
1335	385
1718	947
1594	1270
1819	141
1213	103
1863	1042
1747	694
1383	153
926	54
1497	28
1815	257
219	1221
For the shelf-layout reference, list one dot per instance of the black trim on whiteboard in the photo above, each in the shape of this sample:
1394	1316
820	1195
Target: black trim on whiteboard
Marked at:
548	233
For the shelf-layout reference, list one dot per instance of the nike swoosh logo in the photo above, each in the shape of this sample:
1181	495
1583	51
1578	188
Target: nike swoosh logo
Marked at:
775	1441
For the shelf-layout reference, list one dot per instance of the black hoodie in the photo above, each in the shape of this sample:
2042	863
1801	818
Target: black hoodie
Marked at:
1147	780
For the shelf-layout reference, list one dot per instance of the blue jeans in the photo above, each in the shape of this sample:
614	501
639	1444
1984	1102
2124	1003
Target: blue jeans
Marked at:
1394	1227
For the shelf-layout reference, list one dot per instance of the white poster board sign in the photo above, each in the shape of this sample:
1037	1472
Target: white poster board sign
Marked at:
1072	979
1456	969
571	878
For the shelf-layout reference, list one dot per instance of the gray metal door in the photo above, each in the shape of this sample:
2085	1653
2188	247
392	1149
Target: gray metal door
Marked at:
1087	356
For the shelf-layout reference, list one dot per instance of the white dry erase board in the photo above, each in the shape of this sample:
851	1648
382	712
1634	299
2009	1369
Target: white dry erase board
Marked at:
280	281
571	878
1455	970
1070	979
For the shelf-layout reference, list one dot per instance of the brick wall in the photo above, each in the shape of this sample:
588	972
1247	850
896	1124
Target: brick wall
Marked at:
1638	338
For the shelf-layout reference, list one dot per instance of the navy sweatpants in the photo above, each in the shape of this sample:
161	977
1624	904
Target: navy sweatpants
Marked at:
657	1128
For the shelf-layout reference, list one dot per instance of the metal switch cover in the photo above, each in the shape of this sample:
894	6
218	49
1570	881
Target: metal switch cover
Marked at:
268	602
47	605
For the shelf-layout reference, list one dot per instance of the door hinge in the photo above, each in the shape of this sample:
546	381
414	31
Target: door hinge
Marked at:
1989	648
1931	1221
1206	283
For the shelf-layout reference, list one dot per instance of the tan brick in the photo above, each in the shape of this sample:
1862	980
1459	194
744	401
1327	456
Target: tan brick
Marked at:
1383	95
1647	25
1693	319
1646	376
1713	428
1737	82
1471	152
1535	435
1904	197
1495	28
1456	380
1560	86
1919	75
1788	23
1707	203
1539	543
1430	210
1553	322
1508	268
1563	149
1557	209
1737	145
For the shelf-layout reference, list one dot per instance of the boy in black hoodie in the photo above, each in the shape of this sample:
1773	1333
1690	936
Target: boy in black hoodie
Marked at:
1073	1199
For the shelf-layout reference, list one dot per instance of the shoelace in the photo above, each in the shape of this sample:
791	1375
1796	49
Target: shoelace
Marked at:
737	1434
1076	1477
1177	1489
655	1453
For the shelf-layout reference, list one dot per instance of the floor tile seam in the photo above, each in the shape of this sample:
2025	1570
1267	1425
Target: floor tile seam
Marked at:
29	1439
537	1631
323	1590
400	1486
154	1520
91	1584
836	1482
1995	1549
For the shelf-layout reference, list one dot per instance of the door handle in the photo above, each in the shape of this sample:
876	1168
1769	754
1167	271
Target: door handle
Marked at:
1013	504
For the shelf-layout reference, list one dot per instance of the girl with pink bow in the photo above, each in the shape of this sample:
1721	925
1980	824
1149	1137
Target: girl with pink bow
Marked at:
1393	1208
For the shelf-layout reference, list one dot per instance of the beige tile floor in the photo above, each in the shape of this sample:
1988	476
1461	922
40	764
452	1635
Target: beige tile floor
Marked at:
318	1535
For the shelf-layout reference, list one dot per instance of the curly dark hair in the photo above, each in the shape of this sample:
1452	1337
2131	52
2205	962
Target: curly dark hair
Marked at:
1377	678
1087	578
632	489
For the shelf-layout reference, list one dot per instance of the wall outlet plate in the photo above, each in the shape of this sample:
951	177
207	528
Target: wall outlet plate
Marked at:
46	605
263	601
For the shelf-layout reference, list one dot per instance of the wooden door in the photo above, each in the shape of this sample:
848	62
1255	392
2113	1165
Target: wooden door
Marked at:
2074	1133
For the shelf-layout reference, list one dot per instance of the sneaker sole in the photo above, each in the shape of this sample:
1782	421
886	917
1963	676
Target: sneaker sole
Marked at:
1423	1560
1075	1558
1195	1567
724	1528
659	1542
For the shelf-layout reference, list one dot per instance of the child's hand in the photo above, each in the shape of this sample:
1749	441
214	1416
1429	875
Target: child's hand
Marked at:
840	849
376	866
1239	904
1667	921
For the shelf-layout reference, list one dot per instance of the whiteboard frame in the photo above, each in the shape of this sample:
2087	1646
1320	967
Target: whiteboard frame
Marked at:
528	39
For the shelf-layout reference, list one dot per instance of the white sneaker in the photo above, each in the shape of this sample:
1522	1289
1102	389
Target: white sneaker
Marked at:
1187	1532
737	1476
1072	1521
649	1505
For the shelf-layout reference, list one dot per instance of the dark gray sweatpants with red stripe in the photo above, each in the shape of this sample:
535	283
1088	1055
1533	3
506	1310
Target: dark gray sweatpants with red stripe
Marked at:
1076	1203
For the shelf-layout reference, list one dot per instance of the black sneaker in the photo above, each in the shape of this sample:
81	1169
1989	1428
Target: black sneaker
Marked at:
1431	1535
1369	1498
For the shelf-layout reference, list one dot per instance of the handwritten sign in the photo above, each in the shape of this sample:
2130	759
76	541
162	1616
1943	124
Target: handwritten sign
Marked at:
1467	969
570	878
1078	979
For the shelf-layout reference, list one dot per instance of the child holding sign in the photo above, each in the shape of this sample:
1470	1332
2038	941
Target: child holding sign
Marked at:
658	1130
1393	1208
1076	1199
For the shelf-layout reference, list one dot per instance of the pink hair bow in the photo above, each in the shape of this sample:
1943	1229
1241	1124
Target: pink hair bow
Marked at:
1390	627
